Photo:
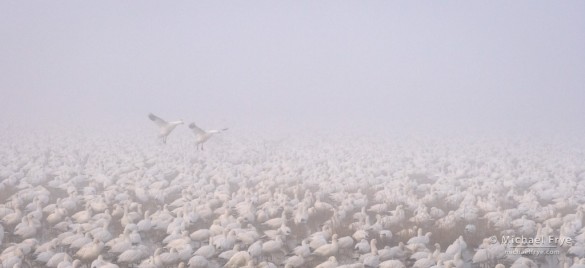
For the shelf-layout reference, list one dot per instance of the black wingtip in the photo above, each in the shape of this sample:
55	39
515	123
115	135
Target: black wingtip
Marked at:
192	125
151	116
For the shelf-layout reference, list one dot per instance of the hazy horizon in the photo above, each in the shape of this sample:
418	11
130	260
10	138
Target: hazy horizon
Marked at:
447	66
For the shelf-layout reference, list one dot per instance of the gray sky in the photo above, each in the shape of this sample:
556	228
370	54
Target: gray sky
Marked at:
390	64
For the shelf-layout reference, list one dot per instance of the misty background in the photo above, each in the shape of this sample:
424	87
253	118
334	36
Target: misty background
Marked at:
358	66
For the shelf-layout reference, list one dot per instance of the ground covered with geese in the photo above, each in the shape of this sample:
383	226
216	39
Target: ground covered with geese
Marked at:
126	200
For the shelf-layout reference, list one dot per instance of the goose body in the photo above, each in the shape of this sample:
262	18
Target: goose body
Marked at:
201	136
165	128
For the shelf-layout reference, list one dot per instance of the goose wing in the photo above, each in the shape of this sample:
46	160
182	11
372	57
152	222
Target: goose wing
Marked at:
196	129
217	130
157	120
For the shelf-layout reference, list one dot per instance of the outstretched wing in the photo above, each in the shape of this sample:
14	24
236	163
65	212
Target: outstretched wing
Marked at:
196	129
157	120
215	131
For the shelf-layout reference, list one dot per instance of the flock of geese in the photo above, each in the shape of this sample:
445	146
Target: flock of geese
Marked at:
102	201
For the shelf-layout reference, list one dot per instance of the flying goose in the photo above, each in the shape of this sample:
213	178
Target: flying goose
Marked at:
165	127
201	136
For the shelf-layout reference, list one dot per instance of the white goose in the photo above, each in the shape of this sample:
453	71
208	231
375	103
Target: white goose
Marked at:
165	128
201	136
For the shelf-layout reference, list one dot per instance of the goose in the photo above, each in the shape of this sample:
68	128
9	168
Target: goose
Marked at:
80	242
391	264
228	254
101	232
523	262
133	255
425	262
329	263
67	264
56	216
372	259
120	244
437	254
90	251
145	224
14	260
184	252
482	255
100	263
43	256
13	218
264	264
67	238
135	237
272	247
457	261
362	247
224	242
578	263
294	261
207	251
198	262
26	229
165	128
276	222
170	258
420	239
151	262
255	250
459	245
328	249
385	236
201	136
247	237
360	235
398	252
178	240
57	258
303	250
346	244
200	235
239	259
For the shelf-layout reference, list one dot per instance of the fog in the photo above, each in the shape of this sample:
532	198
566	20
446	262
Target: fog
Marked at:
292	134
380	65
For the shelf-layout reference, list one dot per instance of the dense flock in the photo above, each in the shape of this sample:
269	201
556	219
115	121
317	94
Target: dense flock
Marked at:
111	199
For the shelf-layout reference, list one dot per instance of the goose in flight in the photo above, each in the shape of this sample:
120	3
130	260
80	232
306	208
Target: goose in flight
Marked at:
201	135
165	127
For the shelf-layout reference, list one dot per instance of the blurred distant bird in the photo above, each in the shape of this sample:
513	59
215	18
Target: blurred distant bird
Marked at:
165	127
201	136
